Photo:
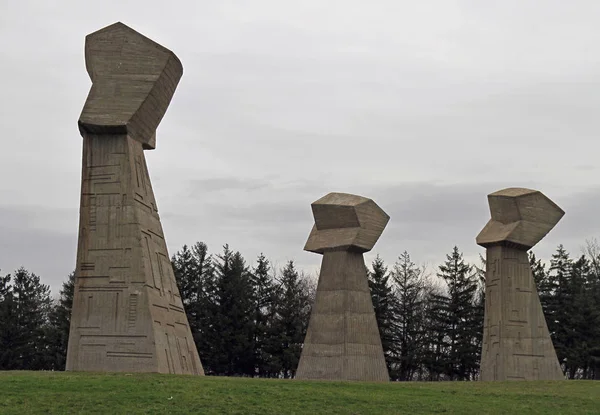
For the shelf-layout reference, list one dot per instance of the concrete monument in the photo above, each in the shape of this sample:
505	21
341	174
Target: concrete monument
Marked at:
516	341
343	342
127	313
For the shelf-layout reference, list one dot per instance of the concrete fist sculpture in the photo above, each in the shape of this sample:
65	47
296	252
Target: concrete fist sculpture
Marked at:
516	341
343	341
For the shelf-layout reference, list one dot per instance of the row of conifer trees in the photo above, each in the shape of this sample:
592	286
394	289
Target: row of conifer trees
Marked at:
251	319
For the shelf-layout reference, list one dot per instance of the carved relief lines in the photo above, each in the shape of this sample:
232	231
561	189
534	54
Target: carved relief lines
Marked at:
177	318
102	307
171	328
136	355
166	273
95	268
120	269
153	232
141	174
160	273
92	219
191	353
146	208
155	277
132	312
116	316
87	266
104	180
148	187
514	295
140	192
167	354
182	360
88	313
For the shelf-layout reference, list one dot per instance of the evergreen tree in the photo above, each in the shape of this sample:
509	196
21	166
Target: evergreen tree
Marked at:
538	270
185	275
194	273
383	305
457	310
232	326
559	301
60	323
591	316
291	312
479	315
577	316
264	296
591	313
32	303
8	326
408	333
436	352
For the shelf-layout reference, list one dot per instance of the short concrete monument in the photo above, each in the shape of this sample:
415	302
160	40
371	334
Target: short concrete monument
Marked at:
516	341
343	342
127	312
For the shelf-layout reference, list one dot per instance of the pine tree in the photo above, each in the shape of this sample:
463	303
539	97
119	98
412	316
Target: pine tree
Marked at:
577	315
291	312
592	330
232	330
31	300
8	326
559	301
479	315
538	270
264	294
185	276
383	305
591	312
194	273
436	351
408	331
459	312
60	323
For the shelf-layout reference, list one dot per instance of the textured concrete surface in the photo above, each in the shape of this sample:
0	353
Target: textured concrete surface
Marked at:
516	341
133	81
127	312
342	341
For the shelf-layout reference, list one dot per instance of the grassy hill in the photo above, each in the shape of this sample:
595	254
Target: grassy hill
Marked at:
62	393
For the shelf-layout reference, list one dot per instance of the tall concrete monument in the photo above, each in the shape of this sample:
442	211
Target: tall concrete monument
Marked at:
343	342
516	341
127	313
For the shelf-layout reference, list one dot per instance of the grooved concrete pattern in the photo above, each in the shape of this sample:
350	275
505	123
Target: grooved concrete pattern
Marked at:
343	341
127	313
516	341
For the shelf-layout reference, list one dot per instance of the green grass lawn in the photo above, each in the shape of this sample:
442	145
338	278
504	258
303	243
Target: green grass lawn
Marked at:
66	393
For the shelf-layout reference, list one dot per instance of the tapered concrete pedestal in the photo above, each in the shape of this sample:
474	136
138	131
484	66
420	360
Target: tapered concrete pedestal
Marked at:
516	341
343	340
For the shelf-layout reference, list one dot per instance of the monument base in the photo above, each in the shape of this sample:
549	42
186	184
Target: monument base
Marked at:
127	312
343	341
516	341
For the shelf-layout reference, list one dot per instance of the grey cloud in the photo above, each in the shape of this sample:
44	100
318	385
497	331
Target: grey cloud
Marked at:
200	186
280	103
28	239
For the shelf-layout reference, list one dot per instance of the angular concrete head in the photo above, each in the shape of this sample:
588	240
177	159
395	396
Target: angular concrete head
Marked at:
133	81
521	217
345	222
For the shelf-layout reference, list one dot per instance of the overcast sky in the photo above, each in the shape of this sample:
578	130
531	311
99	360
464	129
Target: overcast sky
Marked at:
423	106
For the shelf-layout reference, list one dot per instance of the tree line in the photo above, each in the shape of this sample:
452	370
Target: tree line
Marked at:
251	319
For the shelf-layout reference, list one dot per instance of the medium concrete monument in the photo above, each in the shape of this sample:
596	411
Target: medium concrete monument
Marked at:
343	342
516	341
127	313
